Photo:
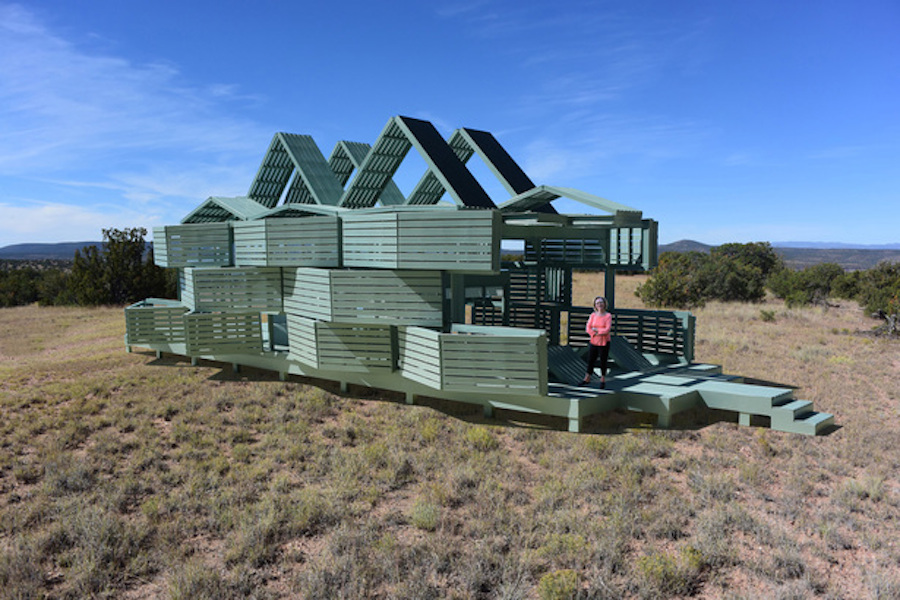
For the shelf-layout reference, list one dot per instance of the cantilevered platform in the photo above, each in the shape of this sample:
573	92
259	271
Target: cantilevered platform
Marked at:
664	393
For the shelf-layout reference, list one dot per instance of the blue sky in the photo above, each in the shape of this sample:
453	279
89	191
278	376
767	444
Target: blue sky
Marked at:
725	121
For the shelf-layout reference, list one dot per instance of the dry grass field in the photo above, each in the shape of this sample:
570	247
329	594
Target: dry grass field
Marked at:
124	476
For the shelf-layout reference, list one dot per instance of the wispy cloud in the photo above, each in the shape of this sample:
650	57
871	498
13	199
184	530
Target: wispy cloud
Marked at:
63	106
75	117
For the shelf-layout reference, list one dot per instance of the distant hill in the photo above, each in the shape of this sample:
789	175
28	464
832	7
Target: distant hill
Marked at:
685	246
799	255
60	251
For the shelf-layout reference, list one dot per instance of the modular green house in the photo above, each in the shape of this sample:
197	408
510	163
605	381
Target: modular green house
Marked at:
325	269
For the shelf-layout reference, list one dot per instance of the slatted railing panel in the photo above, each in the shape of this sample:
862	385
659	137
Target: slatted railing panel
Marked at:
235	289
658	332
465	240
186	288
302	340
486	313
160	247
370	240
627	247
289	242
387	297
342	346
570	252
223	333
195	245
420	355
307	292
154	324
365	296
494	363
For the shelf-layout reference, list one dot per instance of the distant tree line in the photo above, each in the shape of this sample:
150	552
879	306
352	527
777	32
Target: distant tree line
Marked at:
120	271
744	273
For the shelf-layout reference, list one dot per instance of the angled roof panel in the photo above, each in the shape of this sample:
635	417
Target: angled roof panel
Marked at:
314	177
272	176
498	161
378	168
540	196
445	164
351	155
217	210
429	189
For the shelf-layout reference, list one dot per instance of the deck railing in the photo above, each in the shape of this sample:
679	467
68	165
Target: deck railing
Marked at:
476	358
650	331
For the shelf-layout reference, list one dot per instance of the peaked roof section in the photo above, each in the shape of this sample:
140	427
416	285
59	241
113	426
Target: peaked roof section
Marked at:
348	157
541	196
217	210
314	182
465	142
381	163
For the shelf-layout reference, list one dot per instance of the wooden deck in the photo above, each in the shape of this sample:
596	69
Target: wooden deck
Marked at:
664	392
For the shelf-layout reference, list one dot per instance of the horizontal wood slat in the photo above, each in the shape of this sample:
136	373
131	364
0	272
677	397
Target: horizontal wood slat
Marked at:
288	242
446	240
146	323
223	333
341	346
493	361
365	296
193	245
233	289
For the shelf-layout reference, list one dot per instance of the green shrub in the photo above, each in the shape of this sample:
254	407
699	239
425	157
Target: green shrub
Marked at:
425	515
665	574
558	585
731	273
481	438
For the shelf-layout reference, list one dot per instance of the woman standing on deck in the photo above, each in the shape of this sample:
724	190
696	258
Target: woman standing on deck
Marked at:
598	327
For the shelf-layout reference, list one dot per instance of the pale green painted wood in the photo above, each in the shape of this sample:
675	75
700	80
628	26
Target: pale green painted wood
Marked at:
194	245
460	240
302	340
420	355
486	359
222	333
288	242
341	346
154	321
365	296
233	289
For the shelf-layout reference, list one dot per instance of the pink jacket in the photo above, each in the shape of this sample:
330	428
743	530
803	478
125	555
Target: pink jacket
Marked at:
603	325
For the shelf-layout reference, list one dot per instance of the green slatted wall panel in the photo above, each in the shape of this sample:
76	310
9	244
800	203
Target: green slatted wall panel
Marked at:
302	340
420	355
307	293
233	289
341	346
366	296
495	361
288	242
463	240
153	324
193	245
223	333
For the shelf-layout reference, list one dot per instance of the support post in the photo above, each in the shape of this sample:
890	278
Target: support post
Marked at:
744	419
609	287
488	411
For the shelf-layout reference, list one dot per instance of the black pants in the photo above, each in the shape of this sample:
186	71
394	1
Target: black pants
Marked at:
603	352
